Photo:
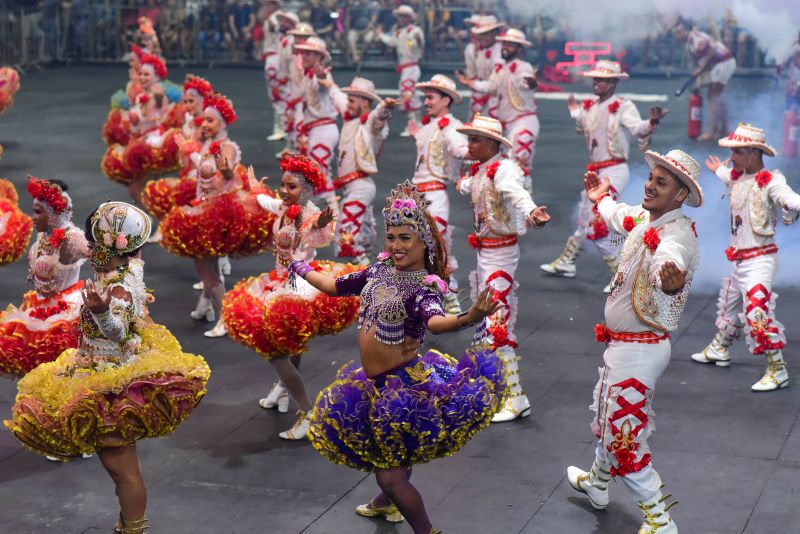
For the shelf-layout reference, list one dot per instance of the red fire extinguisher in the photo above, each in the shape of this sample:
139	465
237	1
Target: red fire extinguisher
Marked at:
791	132
695	114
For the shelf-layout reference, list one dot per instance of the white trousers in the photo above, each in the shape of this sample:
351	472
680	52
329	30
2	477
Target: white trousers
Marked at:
355	227
496	268
321	146
440	211
591	226
409	96
523	133
623	413
747	300
277	86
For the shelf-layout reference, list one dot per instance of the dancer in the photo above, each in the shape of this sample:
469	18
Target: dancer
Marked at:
409	41
514	85
15	226
46	323
224	218
400	409
287	21
440	151
608	123
488	58
9	85
293	65
503	211
713	67
277	315
363	133
271	31
127	380
657	263
746	299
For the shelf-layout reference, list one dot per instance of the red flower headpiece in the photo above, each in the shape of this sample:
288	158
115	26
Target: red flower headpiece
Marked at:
223	106
201	85
308	168
158	65
137	51
293	211
50	194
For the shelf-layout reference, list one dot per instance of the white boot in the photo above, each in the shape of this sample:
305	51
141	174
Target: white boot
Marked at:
517	404
277	397
593	483
277	128
300	427
204	310
776	376
219	330
612	262
198	286
717	351
225	266
156	237
656	516
564	265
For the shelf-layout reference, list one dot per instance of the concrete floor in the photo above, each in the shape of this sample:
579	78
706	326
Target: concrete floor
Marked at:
731	457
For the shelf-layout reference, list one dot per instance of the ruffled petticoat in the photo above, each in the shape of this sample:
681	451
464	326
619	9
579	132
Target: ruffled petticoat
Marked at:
230	224
39	330
9	85
116	129
161	195
426	409
266	314
120	100
150	155
15	230
65	414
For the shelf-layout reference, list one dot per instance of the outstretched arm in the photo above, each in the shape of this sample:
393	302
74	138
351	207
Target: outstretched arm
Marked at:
323	282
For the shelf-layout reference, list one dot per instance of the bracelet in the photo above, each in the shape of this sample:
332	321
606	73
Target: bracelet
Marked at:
458	321
300	268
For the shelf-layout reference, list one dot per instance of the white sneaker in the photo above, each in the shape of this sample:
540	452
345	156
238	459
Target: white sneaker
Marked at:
711	355
560	268
278	397
582	481
225	266
514	408
54	459
279	155
276	136
300	428
405	133
656	515
607	289
774	378
156	237
198	286
219	330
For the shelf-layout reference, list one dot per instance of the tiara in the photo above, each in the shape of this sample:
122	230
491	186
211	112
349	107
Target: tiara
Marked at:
405	206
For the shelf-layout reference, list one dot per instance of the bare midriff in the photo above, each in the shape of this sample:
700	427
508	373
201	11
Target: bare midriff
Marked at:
377	357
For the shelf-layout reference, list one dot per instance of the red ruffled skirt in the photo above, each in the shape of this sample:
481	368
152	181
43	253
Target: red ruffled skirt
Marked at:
15	231
116	129
137	160
267	315
9	85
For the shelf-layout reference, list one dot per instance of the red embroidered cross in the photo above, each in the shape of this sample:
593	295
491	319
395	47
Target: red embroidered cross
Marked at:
502	296
524	146
352	212
627	408
754	301
322	155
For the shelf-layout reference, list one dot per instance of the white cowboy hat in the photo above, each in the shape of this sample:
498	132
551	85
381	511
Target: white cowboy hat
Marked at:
486	23
405	10
314	44
605	68
485	127
442	83
513	35
685	169
363	88
747	135
303	29
288	15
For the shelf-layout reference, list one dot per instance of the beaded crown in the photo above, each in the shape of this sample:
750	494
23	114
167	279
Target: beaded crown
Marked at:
405	206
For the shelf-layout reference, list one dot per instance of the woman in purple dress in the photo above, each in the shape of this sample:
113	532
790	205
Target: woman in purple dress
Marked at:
399	408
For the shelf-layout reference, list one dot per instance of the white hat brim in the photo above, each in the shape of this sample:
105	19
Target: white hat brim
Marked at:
470	130
486	28
732	143
604	74
695	197
452	93
522	42
362	94
323	53
400	12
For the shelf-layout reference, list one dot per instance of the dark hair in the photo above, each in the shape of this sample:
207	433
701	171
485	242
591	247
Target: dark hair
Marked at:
444	95
63	185
439	265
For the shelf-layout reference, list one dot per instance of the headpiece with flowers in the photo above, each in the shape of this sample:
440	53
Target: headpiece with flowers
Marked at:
306	167
137	51
222	105
199	85
155	62
406	206
49	194
118	228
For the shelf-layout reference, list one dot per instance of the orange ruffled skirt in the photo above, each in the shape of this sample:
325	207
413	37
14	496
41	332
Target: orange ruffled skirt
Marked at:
267	315
137	160
39	330
15	227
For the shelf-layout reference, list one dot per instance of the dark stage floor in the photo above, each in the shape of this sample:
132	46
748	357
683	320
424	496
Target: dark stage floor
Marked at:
731	457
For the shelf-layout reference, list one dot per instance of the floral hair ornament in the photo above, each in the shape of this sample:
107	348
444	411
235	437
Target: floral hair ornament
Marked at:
118	229
405	206
306	167
222	106
154	62
199	85
51	195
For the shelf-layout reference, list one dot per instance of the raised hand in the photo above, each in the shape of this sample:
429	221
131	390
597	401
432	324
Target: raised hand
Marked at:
97	302
462	78
325	217
672	278
572	104
390	103
538	217
656	114
595	186
713	163
484	306
413	128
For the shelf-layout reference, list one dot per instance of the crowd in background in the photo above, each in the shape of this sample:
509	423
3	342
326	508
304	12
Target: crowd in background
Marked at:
36	31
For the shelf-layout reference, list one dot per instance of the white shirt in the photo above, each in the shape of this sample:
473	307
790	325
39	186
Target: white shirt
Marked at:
360	144
608	135
439	151
409	43
317	100
515	98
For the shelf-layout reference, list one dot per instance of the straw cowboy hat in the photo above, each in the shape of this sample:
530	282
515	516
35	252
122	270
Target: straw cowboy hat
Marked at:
314	44
747	135
485	127
288	15
363	88
486	23
685	169
303	29
442	83
513	35
405	10
606	69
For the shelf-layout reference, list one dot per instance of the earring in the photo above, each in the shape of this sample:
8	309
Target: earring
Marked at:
102	255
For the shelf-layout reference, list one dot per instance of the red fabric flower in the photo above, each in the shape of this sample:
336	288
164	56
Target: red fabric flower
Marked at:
492	170
499	334
599	229
198	121
735	174
488	53
294	211
144	98
214	148
730	253
57	237
763	178
473	169
363	118
513	67
588	103
613	107
601	334
443	123
426	119
651	239
628	223
49	311
473	241
626	460
498	67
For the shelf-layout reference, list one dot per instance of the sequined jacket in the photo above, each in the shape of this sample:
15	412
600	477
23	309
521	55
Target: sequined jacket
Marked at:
636	302
396	302
409	43
360	143
508	83
608	134
440	151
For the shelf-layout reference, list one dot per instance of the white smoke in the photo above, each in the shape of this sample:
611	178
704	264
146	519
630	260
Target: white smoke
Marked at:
774	23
